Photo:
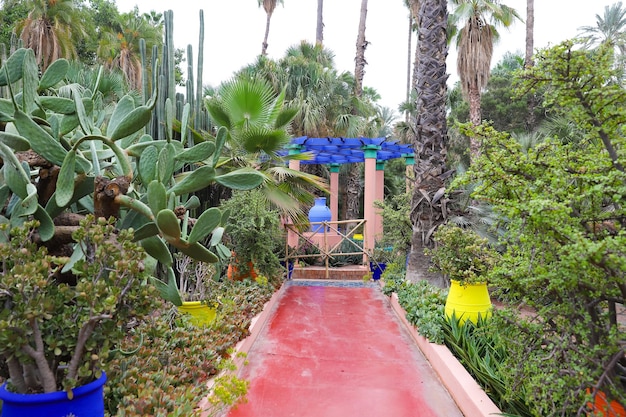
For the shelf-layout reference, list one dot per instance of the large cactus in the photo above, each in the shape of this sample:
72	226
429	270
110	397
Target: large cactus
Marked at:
60	156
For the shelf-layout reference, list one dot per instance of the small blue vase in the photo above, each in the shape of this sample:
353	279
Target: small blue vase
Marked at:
319	213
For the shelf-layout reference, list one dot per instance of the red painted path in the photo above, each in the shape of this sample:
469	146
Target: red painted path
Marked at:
331	351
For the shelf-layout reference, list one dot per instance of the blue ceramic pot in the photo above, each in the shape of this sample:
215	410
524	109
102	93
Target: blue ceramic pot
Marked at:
319	213
87	401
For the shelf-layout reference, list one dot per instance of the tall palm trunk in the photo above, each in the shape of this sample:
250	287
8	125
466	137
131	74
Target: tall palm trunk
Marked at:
361	45
269	6
408	66
414	5
319	30
267	34
528	60
354	188
431	130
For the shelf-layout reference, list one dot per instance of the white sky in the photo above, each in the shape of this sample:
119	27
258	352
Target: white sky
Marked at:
234	31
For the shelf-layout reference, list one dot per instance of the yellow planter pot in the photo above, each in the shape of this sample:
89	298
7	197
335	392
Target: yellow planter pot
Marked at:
468	301
201	314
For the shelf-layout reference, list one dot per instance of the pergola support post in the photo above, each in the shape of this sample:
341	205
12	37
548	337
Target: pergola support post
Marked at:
369	195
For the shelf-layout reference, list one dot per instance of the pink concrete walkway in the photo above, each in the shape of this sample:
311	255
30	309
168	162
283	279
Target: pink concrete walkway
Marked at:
330	351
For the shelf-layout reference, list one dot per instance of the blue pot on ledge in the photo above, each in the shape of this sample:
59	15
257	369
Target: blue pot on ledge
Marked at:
319	213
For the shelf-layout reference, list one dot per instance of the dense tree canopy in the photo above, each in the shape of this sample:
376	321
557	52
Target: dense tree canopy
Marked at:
564	247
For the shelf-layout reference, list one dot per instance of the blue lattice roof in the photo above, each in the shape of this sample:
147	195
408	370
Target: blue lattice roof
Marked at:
348	150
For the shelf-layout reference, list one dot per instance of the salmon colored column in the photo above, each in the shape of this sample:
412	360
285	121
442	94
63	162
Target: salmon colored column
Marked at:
292	237
334	191
380	196
369	195
409	160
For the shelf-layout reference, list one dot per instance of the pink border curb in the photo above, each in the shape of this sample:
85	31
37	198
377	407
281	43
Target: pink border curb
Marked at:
467	394
257	323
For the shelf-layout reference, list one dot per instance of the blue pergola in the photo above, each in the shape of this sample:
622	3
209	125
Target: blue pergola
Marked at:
334	152
348	150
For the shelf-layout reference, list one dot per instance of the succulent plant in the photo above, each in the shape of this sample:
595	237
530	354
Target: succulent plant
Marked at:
65	157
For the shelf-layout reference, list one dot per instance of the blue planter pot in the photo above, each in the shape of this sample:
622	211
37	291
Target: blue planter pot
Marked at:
377	270
319	213
88	401
289	268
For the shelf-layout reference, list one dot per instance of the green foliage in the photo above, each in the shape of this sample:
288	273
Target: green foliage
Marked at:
396	222
484	353
423	302
72	325
564	247
254	233
393	276
461	254
100	152
348	246
10	14
169	361
424	305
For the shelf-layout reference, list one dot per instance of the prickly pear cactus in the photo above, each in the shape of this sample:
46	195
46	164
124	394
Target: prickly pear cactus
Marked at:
66	156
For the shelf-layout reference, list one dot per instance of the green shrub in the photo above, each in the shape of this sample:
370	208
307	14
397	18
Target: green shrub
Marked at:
254	233
163	367
424	306
461	254
484	353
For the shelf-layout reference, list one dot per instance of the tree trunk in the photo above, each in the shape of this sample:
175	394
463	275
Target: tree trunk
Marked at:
475	119
415	6
431	132
267	34
319	31
408	67
354	188
528	61
361	45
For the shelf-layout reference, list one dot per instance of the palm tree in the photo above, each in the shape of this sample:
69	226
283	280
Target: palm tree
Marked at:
431	131
119	48
49	30
361	45
610	28
411	77
269	6
319	29
473	26
528	59
312	84
257	122
354	186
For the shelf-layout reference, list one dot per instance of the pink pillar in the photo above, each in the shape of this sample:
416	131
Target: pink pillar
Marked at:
380	196
369	195
334	191
292	237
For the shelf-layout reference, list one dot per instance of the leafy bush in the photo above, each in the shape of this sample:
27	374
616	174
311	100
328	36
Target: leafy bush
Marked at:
565	202
254	233
396	222
422	302
461	254
163	367
424	306
61	325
